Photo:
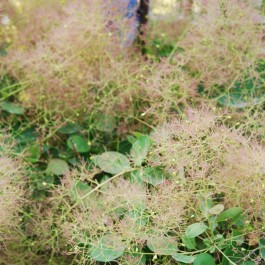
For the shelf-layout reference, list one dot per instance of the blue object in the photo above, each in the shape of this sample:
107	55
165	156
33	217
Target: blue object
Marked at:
132	8
128	10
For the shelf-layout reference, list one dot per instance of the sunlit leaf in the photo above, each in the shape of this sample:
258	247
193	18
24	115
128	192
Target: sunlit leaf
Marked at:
183	258
195	230
112	162
203	259
150	175
217	209
106	249
78	143
190	243
12	108
57	167
140	149
229	214
162	245
105	123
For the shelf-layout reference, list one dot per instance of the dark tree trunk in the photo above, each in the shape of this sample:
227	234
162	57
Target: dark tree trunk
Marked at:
142	14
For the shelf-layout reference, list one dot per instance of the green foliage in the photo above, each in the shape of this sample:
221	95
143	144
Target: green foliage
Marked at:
12	108
106	248
140	149
229	214
162	245
190	243
112	162
262	248
77	186
204	258
57	167
153	176
70	128
105	123
183	258
78	143
195	230
33	153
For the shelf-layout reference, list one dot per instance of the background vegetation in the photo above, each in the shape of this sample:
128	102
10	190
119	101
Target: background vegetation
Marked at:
112	153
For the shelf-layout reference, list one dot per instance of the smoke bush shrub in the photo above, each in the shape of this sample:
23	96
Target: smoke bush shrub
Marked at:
13	196
70	58
123	210
224	43
202	159
214	157
73	62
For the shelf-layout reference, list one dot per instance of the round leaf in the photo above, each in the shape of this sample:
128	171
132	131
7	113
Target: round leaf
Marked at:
106	249
217	209
153	176
78	143
162	245
70	128
237	100
33	153
195	230
139	149
105	123
203	259
229	214
57	167
27	136
12	108
112	162
139	217
189	243
183	258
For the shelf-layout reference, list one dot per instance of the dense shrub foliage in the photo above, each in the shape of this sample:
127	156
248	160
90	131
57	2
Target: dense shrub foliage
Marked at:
114	152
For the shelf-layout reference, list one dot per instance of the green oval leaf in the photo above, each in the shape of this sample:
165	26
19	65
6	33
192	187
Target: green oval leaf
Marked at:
238	101
106	249
262	248
229	214
140	149
12	108
140	218
195	230
33	153
203	259
57	167
217	209
183	258
162	245
105	123
27	136
112	162
189	243
70	128
150	175
78	143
